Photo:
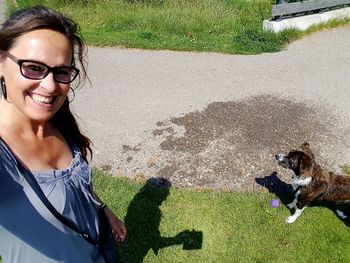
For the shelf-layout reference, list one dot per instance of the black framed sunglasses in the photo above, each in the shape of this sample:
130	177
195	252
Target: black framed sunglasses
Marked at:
35	70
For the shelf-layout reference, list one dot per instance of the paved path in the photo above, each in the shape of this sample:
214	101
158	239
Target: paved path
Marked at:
2	11
214	120
127	111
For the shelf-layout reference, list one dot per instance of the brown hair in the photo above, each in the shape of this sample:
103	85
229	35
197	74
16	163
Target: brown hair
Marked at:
39	17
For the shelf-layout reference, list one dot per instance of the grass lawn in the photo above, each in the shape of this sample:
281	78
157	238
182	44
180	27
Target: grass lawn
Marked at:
236	227
228	26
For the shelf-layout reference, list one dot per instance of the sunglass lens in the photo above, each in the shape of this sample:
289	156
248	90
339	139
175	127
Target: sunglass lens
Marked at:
33	70
64	75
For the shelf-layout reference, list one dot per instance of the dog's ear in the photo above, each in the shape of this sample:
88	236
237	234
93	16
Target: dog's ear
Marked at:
306	162
305	147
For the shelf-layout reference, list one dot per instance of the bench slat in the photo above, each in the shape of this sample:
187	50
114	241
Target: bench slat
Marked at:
300	7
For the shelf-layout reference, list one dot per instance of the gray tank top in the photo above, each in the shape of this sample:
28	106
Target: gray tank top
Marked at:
28	231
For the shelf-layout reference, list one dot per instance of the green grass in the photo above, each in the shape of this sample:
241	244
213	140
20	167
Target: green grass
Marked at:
346	169
236	227
228	26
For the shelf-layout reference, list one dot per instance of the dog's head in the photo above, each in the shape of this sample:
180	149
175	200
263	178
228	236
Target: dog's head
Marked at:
299	161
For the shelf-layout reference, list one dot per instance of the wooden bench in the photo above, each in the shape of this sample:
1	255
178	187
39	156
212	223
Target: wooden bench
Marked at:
285	10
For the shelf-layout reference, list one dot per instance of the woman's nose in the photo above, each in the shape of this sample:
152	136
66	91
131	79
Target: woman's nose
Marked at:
49	83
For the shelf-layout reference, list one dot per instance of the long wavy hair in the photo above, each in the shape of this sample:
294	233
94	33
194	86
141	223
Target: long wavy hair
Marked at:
38	17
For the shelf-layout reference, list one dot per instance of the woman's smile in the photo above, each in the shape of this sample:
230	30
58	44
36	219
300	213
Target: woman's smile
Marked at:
40	99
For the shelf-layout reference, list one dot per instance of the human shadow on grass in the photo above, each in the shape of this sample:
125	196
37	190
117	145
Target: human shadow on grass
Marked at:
143	220
285	193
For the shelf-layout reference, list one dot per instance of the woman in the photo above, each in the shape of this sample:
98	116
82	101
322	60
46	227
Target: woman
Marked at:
40	51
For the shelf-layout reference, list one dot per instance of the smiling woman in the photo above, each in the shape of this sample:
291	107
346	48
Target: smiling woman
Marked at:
33	93
44	174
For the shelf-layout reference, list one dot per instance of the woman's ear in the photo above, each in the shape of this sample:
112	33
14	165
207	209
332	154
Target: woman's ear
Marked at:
1	64
2	78
3	87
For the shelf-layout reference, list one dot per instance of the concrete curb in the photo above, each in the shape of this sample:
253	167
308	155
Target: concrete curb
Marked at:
304	22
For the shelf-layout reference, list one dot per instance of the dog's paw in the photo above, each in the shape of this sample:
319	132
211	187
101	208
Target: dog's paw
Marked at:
290	219
296	214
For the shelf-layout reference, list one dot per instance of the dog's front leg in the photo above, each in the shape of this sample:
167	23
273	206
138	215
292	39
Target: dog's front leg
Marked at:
293	204
298	207
304	196
297	213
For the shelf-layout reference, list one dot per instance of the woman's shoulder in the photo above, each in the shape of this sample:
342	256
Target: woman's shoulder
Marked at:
8	165
5	153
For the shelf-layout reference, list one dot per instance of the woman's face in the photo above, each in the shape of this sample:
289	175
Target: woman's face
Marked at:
37	100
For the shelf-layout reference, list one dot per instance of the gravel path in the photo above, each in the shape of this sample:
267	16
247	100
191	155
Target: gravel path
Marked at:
2	11
213	120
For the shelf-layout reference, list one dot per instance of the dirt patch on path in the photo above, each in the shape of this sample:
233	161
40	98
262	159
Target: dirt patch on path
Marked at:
230	144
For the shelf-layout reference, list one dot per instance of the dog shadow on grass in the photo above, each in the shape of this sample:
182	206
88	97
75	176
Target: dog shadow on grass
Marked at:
285	193
143	220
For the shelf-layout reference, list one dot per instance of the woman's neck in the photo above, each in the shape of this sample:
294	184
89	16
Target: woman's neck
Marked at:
15	122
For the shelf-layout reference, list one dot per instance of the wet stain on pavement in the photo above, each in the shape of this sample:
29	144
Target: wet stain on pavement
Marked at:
229	144
261	122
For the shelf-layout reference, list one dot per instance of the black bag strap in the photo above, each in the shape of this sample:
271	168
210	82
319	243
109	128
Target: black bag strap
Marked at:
39	192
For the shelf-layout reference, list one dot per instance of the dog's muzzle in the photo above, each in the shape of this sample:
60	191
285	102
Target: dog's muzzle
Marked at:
282	160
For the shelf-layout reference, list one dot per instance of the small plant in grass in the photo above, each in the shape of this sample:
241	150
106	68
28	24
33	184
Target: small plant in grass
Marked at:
255	40
346	169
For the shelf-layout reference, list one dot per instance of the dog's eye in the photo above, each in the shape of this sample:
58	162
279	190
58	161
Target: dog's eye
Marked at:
293	162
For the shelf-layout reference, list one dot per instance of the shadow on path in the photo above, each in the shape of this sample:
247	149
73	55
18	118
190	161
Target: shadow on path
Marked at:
143	220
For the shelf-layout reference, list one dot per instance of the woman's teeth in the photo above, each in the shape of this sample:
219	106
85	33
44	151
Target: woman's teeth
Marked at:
41	99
